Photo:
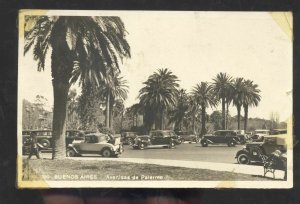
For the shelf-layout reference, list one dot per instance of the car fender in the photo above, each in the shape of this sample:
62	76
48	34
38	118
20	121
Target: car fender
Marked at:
242	151
73	148
208	140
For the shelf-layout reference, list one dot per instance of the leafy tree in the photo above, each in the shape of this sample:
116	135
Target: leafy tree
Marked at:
239	92
82	48
217	119
178	113
221	87
204	98
158	95
89	107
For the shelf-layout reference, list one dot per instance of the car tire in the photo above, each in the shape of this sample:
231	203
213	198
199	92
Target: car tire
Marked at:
45	143
172	145
204	143
106	152
71	153
243	158
141	146
231	143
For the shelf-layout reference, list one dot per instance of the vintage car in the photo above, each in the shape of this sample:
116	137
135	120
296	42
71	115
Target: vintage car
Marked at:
187	136
258	135
158	133
228	137
258	151
128	137
156	139
44	138
243	136
96	143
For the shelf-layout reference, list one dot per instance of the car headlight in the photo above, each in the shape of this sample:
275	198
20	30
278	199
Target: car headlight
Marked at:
244	147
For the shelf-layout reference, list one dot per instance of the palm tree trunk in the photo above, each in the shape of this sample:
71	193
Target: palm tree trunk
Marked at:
238	116
193	124
162	120
203	120
223	114
246	117
111	115
227	113
107	111
60	91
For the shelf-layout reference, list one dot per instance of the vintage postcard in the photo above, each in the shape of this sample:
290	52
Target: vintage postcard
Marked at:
155	99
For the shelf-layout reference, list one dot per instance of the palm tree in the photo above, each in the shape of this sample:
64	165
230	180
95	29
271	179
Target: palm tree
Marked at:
114	88
178	113
251	98
238	96
82	48
159	94
221	88
204	97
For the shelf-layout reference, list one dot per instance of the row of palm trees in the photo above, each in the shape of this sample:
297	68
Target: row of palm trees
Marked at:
161	95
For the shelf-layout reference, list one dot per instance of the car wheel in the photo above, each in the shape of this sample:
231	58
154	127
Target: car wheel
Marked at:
204	143
106	153
141	146
172	145
45	143
71	153
243	158
231	143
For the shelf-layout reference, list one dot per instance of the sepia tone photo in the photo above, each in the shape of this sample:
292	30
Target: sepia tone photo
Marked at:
155	99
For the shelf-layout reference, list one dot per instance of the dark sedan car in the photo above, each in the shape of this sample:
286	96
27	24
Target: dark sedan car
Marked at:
156	139
228	137
187	136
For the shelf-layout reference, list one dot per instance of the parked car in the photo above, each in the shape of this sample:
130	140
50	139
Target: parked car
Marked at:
187	136
176	138
243	136
96	143
44	137
228	137
156	139
259	135
278	131
128	137
258	151
72	135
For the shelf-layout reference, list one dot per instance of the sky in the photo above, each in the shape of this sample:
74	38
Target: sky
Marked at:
195	46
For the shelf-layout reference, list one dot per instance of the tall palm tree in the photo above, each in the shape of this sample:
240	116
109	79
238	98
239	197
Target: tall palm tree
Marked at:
179	111
159	94
251	98
239	91
204	97
221	87
81	49
114	88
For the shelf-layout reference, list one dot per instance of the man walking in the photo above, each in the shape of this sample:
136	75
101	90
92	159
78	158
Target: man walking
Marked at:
34	146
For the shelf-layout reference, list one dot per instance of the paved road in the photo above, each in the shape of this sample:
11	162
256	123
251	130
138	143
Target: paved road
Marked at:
184	152
187	152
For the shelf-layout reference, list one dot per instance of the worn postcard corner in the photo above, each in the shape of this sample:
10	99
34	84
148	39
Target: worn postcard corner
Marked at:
155	99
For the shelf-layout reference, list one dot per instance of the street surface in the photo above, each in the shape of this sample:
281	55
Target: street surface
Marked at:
184	152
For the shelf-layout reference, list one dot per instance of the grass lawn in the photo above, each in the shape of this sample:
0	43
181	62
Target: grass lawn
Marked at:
114	170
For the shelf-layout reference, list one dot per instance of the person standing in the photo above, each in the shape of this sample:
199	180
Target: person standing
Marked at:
34	146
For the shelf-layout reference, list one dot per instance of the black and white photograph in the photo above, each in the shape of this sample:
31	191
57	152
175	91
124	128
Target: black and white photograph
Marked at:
155	99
